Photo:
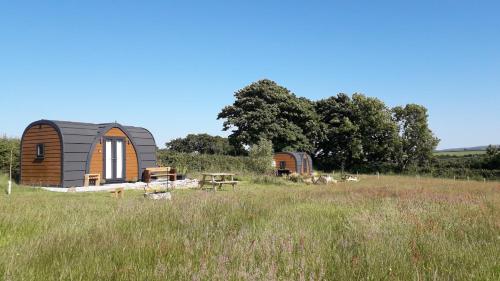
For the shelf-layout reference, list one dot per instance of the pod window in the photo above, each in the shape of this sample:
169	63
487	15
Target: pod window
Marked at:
40	151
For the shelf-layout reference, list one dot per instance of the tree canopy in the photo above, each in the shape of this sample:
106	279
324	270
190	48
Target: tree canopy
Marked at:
339	131
266	110
201	143
416	142
357	131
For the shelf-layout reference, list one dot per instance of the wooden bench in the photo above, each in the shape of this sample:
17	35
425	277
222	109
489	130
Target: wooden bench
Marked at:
159	173
92	178
218	179
118	192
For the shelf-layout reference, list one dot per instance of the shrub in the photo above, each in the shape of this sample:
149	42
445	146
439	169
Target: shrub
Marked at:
6	145
261	156
294	177
268	180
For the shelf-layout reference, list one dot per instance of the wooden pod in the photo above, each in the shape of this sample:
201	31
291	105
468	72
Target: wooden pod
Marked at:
60	153
293	162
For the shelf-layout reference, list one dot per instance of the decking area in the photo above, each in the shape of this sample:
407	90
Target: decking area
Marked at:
179	184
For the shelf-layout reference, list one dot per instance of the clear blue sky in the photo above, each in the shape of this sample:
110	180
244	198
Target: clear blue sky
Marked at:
171	66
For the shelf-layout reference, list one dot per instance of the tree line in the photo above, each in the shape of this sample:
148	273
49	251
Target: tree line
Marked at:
340	132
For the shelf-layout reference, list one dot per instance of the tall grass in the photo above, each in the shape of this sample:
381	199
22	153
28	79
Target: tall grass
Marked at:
395	228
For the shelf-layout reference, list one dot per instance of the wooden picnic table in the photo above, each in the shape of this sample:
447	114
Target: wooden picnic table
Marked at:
218	179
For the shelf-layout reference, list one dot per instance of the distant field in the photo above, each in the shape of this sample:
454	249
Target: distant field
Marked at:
459	153
395	228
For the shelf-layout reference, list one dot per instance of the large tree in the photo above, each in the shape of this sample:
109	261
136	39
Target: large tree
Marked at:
341	145
377	130
417	142
357	131
266	110
341	131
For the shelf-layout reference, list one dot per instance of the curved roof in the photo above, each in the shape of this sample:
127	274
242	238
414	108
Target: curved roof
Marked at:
299	156
79	139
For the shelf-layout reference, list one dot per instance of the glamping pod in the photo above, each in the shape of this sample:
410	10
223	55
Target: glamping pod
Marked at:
293	162
60	153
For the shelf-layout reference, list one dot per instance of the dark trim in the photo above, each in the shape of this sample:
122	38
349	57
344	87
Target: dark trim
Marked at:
102	133
58	130
305	163
139	160
114	179
310	163
42	155
156	160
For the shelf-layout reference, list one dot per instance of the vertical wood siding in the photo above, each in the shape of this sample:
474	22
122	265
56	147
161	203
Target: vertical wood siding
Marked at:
46	172
96	165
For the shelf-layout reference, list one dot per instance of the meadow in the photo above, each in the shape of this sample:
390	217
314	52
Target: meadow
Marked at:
460	153
392	228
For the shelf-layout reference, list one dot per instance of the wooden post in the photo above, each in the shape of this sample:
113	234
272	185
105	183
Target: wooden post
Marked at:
378	175
9	187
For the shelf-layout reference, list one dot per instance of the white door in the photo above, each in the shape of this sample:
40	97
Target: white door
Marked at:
114	160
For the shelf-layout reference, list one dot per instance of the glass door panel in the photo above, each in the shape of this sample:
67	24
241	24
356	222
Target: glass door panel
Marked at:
109	159
119	159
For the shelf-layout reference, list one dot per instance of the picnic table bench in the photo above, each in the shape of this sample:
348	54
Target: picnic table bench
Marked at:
217	179
160	174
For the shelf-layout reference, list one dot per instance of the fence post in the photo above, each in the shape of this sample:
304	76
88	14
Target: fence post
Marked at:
9	187
378	175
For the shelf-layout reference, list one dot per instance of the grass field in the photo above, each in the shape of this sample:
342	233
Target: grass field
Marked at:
395	228
459	153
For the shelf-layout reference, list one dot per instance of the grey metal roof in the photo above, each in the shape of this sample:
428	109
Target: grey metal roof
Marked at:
79	139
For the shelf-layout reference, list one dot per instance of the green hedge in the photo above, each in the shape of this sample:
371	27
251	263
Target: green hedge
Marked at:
459	173
206	162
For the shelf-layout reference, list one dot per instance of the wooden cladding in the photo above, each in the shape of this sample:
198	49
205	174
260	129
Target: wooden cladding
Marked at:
289	160
69	150
46	171
294	162
131	161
